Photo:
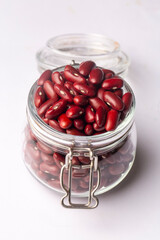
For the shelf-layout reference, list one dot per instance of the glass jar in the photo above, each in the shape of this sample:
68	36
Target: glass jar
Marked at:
51	156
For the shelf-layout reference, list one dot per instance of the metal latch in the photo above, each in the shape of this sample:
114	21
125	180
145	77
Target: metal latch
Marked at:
93	168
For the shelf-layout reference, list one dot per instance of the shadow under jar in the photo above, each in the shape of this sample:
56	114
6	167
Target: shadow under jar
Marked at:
79	166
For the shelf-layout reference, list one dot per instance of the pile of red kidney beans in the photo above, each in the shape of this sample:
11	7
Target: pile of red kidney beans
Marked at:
84	101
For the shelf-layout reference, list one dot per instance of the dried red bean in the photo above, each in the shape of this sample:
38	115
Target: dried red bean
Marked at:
86	67
113	101
74	131
83	184
70	88
35	166
89	114
59	159
108	73
96	76
63	92
119	92
42	175
54	124
74	112
97	102
79	173
100	116
80	100
100	93
33	151
85	89
51	169
116	169
88	129
49	90
84	160
75	161
44	76
57	108
97	128
79	124
47	158
112	83
44	107
71	74
64	121
127	100
112	120
41	146
57	78
54	183
33	137
99	132
39	97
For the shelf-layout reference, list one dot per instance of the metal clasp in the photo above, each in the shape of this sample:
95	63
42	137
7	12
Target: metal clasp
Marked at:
93	168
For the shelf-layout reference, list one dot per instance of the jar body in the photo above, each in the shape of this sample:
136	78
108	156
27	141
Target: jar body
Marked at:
45	161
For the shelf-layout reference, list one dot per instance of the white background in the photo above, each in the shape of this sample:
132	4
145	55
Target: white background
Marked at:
28	210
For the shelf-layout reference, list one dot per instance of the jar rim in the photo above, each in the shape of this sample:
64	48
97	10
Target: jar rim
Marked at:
40	127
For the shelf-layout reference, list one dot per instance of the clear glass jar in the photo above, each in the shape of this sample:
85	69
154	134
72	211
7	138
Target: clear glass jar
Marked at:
107	157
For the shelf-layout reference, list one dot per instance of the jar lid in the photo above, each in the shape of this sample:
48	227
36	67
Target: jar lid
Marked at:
61	50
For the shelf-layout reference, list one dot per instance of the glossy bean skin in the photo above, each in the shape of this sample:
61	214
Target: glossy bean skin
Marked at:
39	97
74	131
112	83
70	88
75	161
116	169
44	76
100	116
63	92
88	129
97	128
46	120
84	160
33	151
51	169
64	121
79	124
49	90
54	124
119	93
97	102
74	112
112	120
45	106
86	67
89	114
71	74
44	148
100	93
85	89
56	109
113	101
108	73
96	76
47	158
80	100
127	100
57	78
59	159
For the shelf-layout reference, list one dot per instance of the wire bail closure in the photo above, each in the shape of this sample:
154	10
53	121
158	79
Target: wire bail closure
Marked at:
93	166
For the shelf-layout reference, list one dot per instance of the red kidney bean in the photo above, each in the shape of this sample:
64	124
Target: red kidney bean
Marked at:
39	97
54	124
35	166
127	100
79	173
113	101
54	183
71	74
75	161
112	83
85	89
33	151
88	129
41	146
100	93
63	92
44	76
44	107
64	121
49	90
100	132
89	114
74	112
108	73
119	92
112	120
57	108
100	116
83	184
51	169
96	76
59	159
80	100
116	169
84	160
86	67
57	78
46	120
74	131
97	128
97	102
70	88
42	175
79	124
47	158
